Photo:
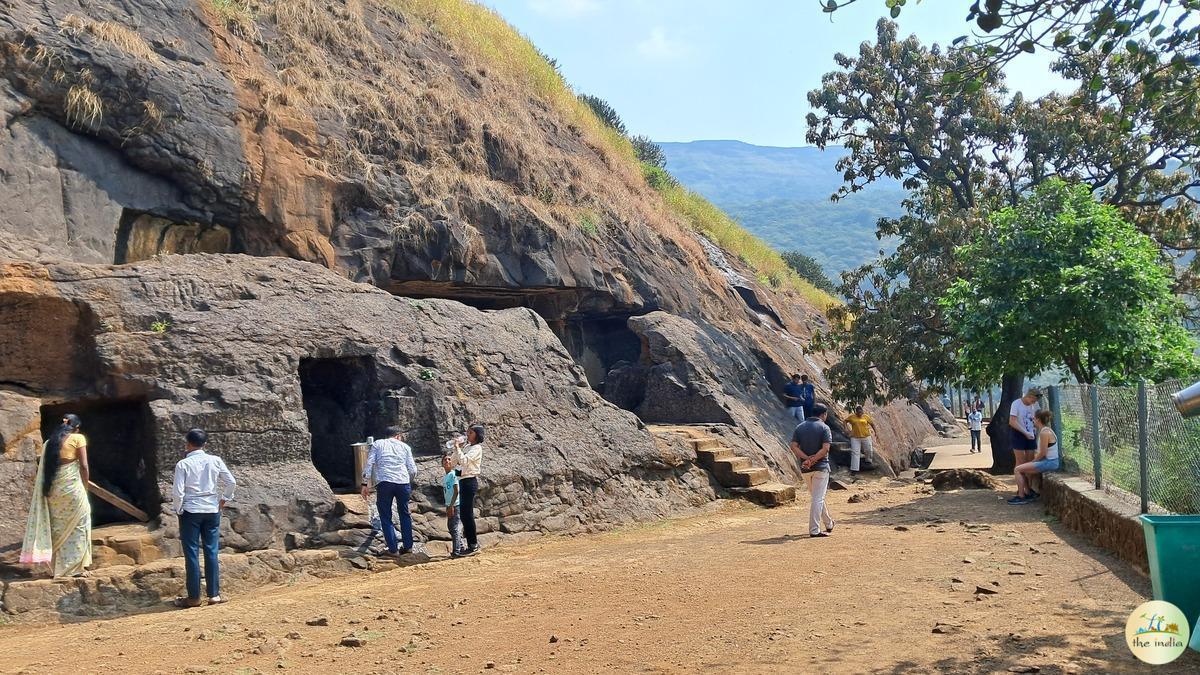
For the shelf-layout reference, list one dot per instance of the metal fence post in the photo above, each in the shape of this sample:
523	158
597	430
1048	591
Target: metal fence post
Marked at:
1143	446
1056	411
1097	458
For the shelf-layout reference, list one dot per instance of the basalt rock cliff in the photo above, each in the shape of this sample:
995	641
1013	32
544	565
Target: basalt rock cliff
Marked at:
294	223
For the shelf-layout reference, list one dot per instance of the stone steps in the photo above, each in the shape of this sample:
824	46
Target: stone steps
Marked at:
713	455
735	473
127	544
768	494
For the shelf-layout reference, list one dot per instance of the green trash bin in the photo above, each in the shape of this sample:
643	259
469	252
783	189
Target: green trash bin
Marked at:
1173	547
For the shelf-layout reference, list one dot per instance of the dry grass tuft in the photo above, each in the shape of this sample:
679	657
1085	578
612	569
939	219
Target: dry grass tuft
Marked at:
238	15
83	107
114	34
152	115
493	41
766	262
399	109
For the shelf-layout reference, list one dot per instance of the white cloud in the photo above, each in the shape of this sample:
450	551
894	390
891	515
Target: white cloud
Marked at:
658	47
568	9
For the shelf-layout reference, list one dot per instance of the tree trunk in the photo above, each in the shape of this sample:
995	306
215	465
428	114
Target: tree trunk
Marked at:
998	430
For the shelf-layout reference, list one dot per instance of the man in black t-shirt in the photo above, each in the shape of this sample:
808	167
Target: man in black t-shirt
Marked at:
810	444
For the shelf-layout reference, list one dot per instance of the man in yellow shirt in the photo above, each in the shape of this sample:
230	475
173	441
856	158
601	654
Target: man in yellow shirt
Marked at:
861	427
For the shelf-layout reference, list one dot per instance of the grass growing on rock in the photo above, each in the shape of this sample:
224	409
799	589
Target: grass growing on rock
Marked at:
493	40
391	114
83	107
111	33
715	224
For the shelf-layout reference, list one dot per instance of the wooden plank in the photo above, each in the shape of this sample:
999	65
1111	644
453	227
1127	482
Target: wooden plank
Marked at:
118	502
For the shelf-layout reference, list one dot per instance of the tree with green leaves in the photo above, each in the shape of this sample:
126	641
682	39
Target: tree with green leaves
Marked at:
1009	28
809	269
965	148
1062	281
604	111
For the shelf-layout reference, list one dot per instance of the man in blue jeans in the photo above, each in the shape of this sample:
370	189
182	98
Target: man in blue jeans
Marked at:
390	463
202	486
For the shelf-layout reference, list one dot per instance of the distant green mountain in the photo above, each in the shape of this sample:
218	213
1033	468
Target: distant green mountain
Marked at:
782	195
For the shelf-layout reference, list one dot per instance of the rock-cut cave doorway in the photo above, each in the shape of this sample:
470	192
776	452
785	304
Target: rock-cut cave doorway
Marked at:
343	408
598	343
121	452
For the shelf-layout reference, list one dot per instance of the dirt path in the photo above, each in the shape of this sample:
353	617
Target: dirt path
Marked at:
736	591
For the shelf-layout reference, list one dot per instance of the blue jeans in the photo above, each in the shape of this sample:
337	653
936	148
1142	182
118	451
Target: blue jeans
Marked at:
193	528
796	412
1046	465
385	494
454	524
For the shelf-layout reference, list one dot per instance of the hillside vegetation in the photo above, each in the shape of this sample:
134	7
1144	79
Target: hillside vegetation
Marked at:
494	41
781	195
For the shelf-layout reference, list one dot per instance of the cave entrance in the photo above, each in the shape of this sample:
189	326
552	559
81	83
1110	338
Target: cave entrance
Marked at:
121	453
598	343
342	406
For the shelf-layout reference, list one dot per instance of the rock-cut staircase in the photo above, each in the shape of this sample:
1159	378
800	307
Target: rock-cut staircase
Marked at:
737	474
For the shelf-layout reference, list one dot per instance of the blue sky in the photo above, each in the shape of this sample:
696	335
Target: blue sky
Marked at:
680	70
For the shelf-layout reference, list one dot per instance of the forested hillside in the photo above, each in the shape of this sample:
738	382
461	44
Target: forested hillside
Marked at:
782	196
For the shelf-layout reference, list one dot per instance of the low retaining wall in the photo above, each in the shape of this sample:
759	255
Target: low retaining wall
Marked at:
127	589
1107	520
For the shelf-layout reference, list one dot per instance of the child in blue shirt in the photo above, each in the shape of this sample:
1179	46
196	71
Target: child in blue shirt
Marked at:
450	492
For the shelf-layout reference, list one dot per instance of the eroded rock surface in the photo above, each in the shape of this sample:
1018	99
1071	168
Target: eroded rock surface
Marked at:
358	138
220	342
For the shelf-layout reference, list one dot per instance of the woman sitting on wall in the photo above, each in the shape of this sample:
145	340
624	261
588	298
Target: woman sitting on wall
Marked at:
59	529
470	458
1047	459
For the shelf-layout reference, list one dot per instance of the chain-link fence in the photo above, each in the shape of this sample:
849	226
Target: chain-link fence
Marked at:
1131	439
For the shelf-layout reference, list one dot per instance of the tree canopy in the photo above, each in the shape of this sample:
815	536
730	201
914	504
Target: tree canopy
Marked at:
808	268
966	149
1061	280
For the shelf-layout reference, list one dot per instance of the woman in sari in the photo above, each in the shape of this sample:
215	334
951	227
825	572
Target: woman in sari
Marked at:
59	530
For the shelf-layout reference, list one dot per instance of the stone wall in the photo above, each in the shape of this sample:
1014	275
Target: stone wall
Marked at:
1109	520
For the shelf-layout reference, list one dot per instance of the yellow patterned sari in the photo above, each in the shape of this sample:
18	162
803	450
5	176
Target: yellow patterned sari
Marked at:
59	529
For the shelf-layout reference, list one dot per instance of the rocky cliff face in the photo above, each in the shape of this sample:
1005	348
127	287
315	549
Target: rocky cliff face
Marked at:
356	137
285	364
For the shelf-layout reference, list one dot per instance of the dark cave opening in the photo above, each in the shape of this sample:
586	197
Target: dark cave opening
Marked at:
121	453
598	343
343	408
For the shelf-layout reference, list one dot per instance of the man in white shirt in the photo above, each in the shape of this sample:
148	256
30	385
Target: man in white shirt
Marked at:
390	463
199	498
975	420
1020	422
